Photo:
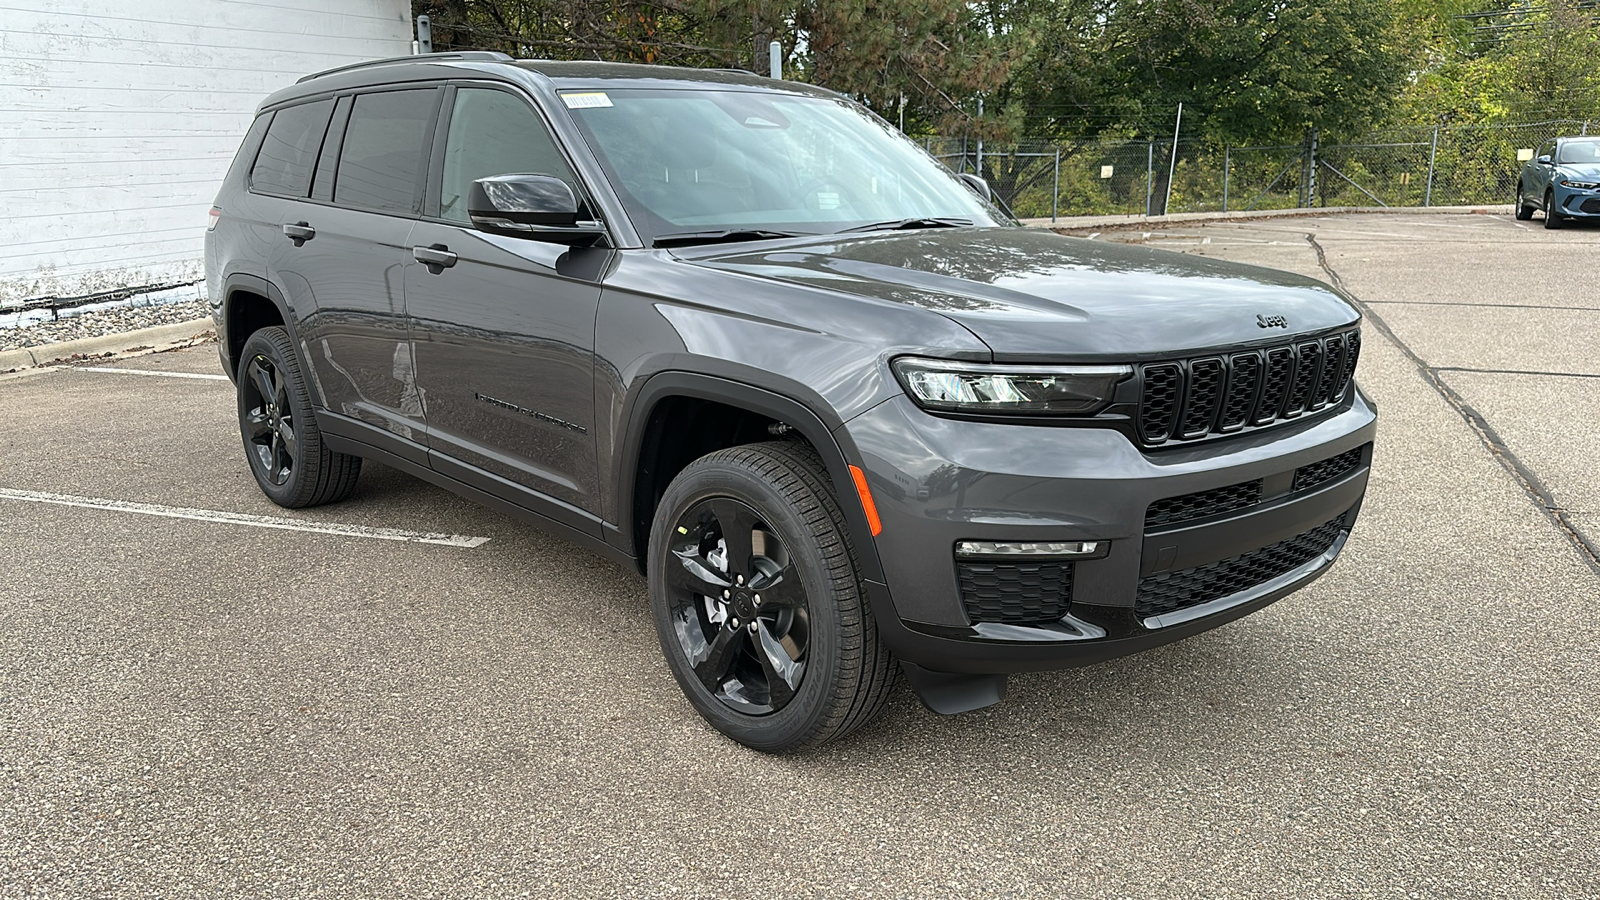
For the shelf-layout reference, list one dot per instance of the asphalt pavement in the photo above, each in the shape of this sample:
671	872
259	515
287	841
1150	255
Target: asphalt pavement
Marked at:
202	695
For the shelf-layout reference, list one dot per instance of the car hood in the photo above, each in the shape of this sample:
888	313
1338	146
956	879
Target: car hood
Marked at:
1032	294
1581	170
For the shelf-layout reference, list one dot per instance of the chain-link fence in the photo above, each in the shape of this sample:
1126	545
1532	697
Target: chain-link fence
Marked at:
1424	166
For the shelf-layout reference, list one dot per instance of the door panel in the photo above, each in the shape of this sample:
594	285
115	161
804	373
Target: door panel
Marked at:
504	344
356	339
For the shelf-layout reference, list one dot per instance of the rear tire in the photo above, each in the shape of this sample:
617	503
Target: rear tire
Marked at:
1552	214
1523	207
758	601
282	442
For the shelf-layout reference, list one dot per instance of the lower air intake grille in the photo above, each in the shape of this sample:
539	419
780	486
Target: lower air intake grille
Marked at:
1172	591
1591	205
1203	503
1015	593
1330	469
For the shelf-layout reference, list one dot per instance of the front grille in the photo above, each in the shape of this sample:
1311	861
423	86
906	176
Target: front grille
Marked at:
1591	205
1330	469
1171	591
1190	399
1203	503
1015	593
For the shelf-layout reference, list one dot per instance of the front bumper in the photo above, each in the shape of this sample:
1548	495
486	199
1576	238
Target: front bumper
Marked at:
1577	203
1198	535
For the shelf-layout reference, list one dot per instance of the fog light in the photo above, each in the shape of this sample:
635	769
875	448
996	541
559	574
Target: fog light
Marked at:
1032	549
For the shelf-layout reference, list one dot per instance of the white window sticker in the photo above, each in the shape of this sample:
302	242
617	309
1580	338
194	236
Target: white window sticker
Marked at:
590	100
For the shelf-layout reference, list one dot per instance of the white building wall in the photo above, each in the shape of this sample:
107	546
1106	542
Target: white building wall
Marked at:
118	118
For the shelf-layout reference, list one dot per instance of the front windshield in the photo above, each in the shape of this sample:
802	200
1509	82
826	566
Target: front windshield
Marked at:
1580	151
689	161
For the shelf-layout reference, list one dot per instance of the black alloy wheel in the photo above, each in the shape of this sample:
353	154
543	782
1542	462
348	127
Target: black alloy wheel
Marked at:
758	603
269	422
1552	213
282	442
739	611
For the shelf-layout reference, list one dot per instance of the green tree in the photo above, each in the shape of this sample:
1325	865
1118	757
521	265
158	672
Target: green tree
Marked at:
1246	71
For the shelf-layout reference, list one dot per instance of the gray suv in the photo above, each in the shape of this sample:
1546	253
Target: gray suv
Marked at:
844	415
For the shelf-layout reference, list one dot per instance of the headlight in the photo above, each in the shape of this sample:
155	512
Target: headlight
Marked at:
985	388
1583	185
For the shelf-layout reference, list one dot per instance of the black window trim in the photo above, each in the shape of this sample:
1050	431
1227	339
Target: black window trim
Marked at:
435	186
250	174
332	143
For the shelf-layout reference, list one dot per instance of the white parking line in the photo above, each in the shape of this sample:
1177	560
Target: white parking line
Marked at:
233	518
153	373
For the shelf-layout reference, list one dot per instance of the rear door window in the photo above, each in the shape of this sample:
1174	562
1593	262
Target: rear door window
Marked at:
385	150
289	152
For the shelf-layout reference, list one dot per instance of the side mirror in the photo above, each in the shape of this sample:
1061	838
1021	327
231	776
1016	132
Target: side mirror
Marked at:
1543	160
978	185
537	207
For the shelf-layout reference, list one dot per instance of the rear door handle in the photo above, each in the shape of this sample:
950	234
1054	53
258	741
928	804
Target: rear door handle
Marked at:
299	232
437	257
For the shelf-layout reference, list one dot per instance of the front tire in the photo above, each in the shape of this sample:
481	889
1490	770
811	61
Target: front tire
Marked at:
1552	213
281	439
758	602
1523	207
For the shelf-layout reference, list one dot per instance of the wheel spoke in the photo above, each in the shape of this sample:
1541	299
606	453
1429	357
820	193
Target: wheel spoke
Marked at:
259	426
737	522
290	442
273	465
711	666
695	575
263	382
280	392
781	589
783	674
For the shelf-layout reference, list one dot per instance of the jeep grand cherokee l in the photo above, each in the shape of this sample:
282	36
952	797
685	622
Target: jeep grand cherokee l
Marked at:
846	417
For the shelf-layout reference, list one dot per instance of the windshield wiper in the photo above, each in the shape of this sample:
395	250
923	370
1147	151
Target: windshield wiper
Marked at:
919	222
725	235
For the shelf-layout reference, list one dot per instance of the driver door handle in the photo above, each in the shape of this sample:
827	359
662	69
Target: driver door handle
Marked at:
437	257
299	232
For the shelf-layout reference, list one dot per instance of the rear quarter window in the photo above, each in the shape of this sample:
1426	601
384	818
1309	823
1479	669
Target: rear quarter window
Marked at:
289	150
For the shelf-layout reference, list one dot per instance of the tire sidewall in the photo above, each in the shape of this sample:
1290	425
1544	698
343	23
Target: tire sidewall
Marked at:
805	713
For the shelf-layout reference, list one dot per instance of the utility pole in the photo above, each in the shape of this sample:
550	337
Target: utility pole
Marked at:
1172	168
775	60
980	137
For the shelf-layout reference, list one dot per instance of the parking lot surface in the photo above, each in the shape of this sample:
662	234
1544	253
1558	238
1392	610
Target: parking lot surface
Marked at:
202	695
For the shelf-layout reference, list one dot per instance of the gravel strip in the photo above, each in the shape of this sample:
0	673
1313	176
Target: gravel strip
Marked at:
101	322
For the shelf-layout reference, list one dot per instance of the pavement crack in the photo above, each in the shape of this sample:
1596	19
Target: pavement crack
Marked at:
1535	488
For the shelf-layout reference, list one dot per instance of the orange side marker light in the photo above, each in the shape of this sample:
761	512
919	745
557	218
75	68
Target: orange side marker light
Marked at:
867	506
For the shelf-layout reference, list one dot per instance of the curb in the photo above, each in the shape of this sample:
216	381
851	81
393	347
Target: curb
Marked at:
125	343
1078	223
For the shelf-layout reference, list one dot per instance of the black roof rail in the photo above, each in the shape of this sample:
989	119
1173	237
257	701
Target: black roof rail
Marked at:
464	55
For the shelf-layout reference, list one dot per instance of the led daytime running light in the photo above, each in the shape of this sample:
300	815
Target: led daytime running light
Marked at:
1034	549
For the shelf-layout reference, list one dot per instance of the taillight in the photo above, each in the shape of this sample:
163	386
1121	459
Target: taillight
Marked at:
216	214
